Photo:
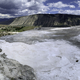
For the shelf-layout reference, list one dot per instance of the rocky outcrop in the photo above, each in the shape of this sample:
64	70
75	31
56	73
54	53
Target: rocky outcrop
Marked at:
13	70
47	20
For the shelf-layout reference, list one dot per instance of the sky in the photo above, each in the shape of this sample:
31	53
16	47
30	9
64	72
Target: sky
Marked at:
16	8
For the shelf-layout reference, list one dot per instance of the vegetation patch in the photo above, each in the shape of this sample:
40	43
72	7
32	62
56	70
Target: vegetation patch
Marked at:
8	30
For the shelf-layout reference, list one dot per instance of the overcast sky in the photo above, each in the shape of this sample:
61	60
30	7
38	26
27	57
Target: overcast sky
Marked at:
16	8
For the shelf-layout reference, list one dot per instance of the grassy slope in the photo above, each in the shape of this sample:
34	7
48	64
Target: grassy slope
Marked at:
6	29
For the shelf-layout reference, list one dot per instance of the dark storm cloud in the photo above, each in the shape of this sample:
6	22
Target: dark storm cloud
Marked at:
8	5
7	11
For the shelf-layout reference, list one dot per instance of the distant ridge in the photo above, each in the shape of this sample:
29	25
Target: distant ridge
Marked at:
6	21
47	20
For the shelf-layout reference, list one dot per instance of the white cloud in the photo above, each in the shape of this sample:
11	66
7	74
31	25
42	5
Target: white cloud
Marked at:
33	7
77	12
24	10
56	10
78	2
68	11
5	16
60	5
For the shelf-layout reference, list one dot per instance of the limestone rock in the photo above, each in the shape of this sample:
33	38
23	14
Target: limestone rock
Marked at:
13	70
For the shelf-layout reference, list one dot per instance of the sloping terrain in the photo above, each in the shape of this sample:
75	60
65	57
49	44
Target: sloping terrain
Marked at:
46	20
53	53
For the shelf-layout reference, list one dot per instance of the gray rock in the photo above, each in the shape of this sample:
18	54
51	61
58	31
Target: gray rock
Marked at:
13	70
0	50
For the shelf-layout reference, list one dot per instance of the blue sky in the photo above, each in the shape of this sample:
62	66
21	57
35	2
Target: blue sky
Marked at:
16	8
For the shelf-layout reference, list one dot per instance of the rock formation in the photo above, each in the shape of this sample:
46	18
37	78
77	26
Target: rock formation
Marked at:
13	70
47	20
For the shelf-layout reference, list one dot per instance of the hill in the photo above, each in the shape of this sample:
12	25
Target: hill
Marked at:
47	20
6	21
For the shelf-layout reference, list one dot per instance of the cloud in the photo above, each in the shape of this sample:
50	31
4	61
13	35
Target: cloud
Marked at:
78	2
76	12
16	8
60	5
5	16
68	11
22	7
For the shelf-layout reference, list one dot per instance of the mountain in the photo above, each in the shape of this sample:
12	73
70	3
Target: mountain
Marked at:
44	20
6	21
47	20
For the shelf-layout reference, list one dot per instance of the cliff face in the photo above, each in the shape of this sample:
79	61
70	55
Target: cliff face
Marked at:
26	20
47	20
